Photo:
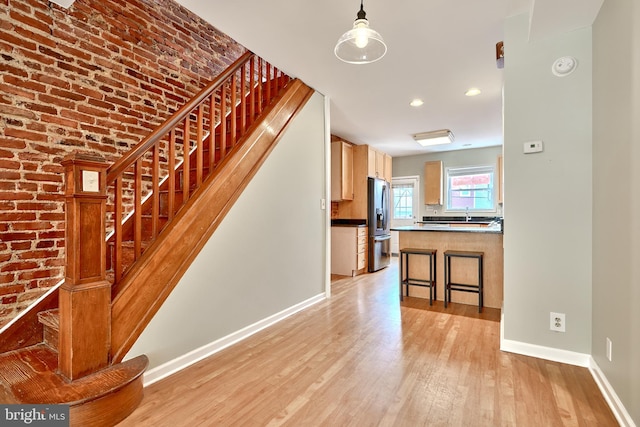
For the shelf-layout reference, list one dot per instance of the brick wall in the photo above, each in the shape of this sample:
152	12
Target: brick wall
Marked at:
96	77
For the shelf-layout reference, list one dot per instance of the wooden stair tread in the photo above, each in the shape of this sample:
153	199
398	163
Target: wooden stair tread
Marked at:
29	376
50	318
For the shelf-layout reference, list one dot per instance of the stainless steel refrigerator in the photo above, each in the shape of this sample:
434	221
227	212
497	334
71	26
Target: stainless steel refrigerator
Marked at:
378	222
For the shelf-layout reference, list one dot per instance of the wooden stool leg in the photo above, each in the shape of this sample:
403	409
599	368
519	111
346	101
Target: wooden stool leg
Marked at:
446	279
400	275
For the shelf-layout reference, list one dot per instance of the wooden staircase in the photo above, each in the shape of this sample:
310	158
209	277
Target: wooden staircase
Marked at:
153	210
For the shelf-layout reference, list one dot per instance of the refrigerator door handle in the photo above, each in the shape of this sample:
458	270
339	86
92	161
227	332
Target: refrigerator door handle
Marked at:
381	238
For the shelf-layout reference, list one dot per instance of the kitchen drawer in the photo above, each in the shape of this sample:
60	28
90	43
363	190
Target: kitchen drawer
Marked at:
362	248
362	232
362	240
361	261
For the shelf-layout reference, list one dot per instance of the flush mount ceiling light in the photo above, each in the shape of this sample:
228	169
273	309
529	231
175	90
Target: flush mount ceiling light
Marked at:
416	102
361	44
436	137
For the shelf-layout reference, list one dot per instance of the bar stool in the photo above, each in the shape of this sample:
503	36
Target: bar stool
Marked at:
464	287
411	281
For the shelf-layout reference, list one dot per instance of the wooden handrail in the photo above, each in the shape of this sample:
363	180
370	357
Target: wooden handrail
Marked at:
143	146
172	159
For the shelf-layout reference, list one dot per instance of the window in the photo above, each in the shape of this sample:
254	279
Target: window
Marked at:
470	189
402	201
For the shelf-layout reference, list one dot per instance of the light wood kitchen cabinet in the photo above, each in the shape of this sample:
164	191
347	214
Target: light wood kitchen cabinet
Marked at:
500	172
378	164
433	180
348	250
364	159
341	171
388	162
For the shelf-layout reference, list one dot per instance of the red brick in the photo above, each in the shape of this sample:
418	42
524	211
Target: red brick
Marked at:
52	80
29	21
17	216
36	56
36	37
28	186
11	289
6	278
9	164
16	41
67	94
23	134
42	108
72	68
48	99
12	89
8	299
78	117
18	266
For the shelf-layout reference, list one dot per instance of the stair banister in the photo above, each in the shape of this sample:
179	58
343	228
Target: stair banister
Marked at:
85	296
141	148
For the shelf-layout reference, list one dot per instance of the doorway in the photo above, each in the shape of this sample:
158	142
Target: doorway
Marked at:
405	205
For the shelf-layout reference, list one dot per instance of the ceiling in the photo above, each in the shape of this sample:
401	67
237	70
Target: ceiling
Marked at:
437	50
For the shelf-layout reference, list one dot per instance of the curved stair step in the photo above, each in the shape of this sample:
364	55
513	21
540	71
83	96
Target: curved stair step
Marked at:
105	398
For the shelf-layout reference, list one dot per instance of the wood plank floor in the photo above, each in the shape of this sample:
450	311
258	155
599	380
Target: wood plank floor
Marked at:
363	359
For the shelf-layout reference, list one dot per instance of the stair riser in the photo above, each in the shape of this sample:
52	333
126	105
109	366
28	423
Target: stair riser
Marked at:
50	337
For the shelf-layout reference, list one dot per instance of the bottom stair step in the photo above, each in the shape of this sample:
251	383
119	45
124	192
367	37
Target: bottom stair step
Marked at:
50	320
105	398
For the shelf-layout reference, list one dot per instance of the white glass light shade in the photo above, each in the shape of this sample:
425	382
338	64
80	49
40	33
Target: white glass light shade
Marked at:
360	45
436	137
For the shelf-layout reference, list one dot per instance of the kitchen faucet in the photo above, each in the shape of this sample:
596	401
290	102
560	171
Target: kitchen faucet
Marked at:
467	214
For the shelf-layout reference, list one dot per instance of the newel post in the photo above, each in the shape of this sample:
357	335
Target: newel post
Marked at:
85	296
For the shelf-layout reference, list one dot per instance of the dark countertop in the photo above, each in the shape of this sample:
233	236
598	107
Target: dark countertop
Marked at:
456	224
448	229
348	222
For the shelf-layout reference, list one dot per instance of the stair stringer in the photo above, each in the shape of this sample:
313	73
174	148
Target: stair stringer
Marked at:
150	281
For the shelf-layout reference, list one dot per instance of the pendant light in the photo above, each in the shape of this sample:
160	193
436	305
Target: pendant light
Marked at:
361	44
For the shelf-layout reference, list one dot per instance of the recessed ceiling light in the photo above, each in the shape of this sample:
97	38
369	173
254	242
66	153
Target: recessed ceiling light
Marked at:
416	102
473	92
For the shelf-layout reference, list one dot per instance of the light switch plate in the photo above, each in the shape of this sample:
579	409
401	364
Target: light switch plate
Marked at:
532	147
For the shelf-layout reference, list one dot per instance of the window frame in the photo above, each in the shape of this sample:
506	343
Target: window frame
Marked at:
453	171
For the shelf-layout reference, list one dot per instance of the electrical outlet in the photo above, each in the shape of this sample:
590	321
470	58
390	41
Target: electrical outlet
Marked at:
609	349
557	322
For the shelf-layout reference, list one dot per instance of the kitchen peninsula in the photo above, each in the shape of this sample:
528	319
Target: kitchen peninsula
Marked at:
442	234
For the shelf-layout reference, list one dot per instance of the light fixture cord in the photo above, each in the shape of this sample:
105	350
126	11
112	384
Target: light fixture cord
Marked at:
361	13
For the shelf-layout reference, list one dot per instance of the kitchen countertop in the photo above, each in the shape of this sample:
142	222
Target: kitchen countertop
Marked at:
448	229
348	222
458	225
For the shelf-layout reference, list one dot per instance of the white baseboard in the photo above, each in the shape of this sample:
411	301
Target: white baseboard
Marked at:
547	353
610	396
571	358
188	359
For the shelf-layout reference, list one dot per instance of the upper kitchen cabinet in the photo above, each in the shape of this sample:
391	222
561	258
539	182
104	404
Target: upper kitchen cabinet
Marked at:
378	164
388	161
433	188
341	171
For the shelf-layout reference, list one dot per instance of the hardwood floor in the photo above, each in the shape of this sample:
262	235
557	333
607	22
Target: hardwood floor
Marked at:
363	359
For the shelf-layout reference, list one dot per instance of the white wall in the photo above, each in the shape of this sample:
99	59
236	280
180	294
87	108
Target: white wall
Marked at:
414	165
616	207
548	196
266	256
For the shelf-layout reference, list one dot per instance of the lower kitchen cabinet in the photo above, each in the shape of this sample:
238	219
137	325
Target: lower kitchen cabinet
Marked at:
348	250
